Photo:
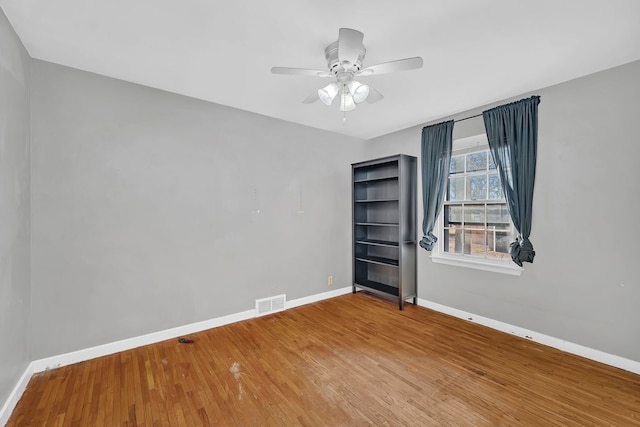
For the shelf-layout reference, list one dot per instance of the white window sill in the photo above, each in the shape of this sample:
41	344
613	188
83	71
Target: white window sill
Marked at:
503	268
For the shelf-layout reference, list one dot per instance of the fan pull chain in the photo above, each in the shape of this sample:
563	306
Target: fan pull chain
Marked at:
344	112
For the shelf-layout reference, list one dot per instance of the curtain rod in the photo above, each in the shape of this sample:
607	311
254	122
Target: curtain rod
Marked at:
459	120
478	115
467	118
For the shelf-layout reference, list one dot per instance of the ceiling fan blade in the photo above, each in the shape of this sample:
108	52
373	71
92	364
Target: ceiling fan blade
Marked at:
392	66
300	72
374	96
311	98
349	46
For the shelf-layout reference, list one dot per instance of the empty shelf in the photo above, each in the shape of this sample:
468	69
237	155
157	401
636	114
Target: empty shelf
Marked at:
377	286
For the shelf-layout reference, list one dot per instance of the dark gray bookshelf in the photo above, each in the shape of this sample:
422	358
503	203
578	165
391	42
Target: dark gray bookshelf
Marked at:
384	227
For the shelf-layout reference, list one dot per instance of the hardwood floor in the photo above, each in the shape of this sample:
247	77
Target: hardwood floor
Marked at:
348	361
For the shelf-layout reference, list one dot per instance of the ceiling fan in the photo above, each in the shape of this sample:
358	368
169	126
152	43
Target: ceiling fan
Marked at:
344	60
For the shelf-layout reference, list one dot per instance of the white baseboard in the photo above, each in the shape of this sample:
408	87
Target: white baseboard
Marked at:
154	337
14	396
318	297
569	347
129	343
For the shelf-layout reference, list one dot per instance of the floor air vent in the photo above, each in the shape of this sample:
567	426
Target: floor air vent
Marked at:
270	305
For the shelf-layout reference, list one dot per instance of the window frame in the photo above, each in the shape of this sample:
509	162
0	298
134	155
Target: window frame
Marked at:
438	255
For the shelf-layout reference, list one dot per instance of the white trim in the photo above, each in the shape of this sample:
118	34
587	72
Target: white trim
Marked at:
129	343
560	344
318	297
471	142
438	255
15	395
504	268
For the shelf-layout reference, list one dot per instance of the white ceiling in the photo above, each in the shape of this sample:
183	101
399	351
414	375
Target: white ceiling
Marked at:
475	51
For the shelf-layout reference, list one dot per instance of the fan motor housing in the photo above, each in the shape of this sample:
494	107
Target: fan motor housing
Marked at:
334	64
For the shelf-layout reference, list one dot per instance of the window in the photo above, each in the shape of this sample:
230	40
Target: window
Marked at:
474	226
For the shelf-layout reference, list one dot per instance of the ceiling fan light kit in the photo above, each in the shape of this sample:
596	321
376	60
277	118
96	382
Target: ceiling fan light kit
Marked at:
344	61
358	91
328	93
346	102
355	93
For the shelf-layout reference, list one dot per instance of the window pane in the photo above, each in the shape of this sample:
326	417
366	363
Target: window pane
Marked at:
474	216
457	164
498	244
495	189
456	188
498	215
452	215
474	242
473	225
477	161
477	187
453	240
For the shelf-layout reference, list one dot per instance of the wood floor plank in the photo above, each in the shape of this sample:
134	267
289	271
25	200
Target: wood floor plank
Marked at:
348	361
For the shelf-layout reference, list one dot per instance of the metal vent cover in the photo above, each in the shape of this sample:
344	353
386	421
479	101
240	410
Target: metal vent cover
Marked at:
270	305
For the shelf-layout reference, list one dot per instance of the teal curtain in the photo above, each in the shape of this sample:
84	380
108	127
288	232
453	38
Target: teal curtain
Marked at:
436	156
512	131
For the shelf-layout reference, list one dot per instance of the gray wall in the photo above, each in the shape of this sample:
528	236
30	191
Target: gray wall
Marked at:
145	203
14	209
583	286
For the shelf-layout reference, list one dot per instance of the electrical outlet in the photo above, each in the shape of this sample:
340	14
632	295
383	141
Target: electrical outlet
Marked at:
330	280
